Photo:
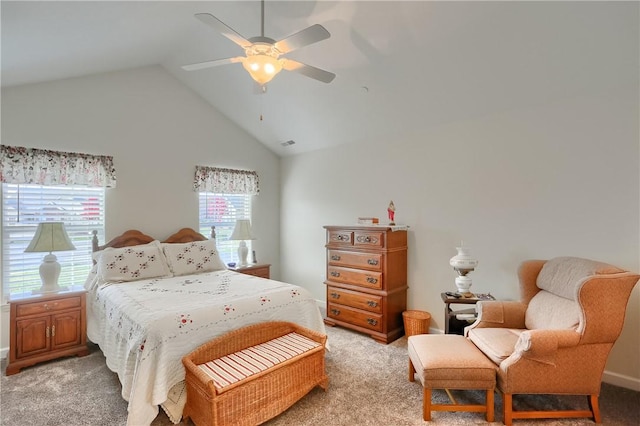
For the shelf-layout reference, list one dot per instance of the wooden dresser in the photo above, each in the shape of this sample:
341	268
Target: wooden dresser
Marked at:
367	279
46	326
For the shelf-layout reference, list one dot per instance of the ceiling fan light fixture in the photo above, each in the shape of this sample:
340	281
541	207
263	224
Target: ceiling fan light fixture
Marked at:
261	67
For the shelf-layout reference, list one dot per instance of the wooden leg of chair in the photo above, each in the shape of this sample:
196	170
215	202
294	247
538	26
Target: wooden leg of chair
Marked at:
411	371
426	405
507	400
595	409
489	405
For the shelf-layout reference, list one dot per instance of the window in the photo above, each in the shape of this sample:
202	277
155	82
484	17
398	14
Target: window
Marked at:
81	208
221	211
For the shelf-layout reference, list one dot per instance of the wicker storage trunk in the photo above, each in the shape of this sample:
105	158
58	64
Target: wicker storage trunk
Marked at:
257	398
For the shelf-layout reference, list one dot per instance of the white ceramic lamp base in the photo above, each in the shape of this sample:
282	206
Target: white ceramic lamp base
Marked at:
49	274
463	283
243	252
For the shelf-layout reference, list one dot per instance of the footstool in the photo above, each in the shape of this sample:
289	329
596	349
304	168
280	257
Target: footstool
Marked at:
449	361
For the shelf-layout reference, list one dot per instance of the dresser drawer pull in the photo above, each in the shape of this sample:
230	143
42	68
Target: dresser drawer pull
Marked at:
53	331
372	304
335	311
372	280
372	321
335	257
335	295
341	237
372	262
47	334
335	274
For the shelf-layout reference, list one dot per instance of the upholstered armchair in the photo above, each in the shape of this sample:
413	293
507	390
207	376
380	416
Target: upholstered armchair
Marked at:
556	340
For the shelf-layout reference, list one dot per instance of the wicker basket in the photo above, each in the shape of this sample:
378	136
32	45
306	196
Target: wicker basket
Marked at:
260	397
416	322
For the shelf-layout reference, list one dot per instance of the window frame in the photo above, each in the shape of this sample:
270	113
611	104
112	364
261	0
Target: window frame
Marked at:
209	215
80	207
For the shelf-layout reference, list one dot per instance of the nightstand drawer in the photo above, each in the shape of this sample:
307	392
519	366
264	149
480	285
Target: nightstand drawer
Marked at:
367	302
363	319
48	306
261	270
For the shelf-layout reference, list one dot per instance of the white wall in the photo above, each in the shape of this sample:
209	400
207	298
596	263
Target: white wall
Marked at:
535	182
157	130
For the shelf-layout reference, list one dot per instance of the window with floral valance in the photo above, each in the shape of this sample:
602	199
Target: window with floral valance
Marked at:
41	186
46	167
225	181
225	195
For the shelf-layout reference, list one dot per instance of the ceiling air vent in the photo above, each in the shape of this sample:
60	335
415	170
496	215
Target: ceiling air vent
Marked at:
287	143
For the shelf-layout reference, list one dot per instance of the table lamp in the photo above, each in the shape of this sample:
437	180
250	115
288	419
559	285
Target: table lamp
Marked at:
242	232
49	237
463	263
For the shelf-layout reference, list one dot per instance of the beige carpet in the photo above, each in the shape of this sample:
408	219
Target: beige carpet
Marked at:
368	386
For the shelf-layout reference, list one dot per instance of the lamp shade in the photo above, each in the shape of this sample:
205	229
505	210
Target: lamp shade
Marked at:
242	230
49	237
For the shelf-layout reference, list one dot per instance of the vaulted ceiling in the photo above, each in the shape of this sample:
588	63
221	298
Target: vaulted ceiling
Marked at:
401	66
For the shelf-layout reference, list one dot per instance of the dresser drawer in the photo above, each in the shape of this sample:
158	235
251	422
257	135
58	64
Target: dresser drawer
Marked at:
47	306
340	238
372	261
363	319
358	277
368	302
368	239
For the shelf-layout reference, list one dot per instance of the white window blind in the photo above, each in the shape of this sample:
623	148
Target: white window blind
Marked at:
81	208
222	211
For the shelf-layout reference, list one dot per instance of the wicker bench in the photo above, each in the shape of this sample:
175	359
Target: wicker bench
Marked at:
252	374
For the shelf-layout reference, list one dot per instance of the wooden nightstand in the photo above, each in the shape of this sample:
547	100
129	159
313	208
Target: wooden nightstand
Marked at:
255	269
45	327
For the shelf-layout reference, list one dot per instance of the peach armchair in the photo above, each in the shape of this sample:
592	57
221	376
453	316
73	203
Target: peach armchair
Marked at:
556	340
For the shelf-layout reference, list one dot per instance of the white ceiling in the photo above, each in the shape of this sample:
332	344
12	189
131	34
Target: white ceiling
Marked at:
401	66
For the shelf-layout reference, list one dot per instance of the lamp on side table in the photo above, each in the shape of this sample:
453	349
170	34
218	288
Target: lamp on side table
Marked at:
242	232
49	237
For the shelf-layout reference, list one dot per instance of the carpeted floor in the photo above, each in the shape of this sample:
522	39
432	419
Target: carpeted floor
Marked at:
368	386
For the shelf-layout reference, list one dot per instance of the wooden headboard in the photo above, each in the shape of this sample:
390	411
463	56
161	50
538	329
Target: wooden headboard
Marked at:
134	237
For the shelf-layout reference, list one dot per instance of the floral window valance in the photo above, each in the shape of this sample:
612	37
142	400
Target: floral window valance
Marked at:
225	181
44	167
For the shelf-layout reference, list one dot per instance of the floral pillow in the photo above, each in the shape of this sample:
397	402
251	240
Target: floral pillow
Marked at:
193	258
133	263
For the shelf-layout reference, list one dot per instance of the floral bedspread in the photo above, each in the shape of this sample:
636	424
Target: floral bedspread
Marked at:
144	328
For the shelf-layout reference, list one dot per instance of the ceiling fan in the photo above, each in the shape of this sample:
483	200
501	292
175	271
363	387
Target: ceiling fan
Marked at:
262	59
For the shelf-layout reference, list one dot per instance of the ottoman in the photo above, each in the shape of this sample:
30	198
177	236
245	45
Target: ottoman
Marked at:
449	361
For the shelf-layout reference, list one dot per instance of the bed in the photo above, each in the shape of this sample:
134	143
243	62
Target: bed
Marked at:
150	303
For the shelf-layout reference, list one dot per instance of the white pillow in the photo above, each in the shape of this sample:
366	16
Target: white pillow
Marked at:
193	258
133	263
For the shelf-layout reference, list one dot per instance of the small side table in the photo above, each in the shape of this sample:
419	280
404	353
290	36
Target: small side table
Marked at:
45	327
453	325
255	269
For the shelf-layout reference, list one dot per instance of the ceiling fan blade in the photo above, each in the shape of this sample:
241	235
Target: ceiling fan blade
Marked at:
313	34
209	64
308	70
224	29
